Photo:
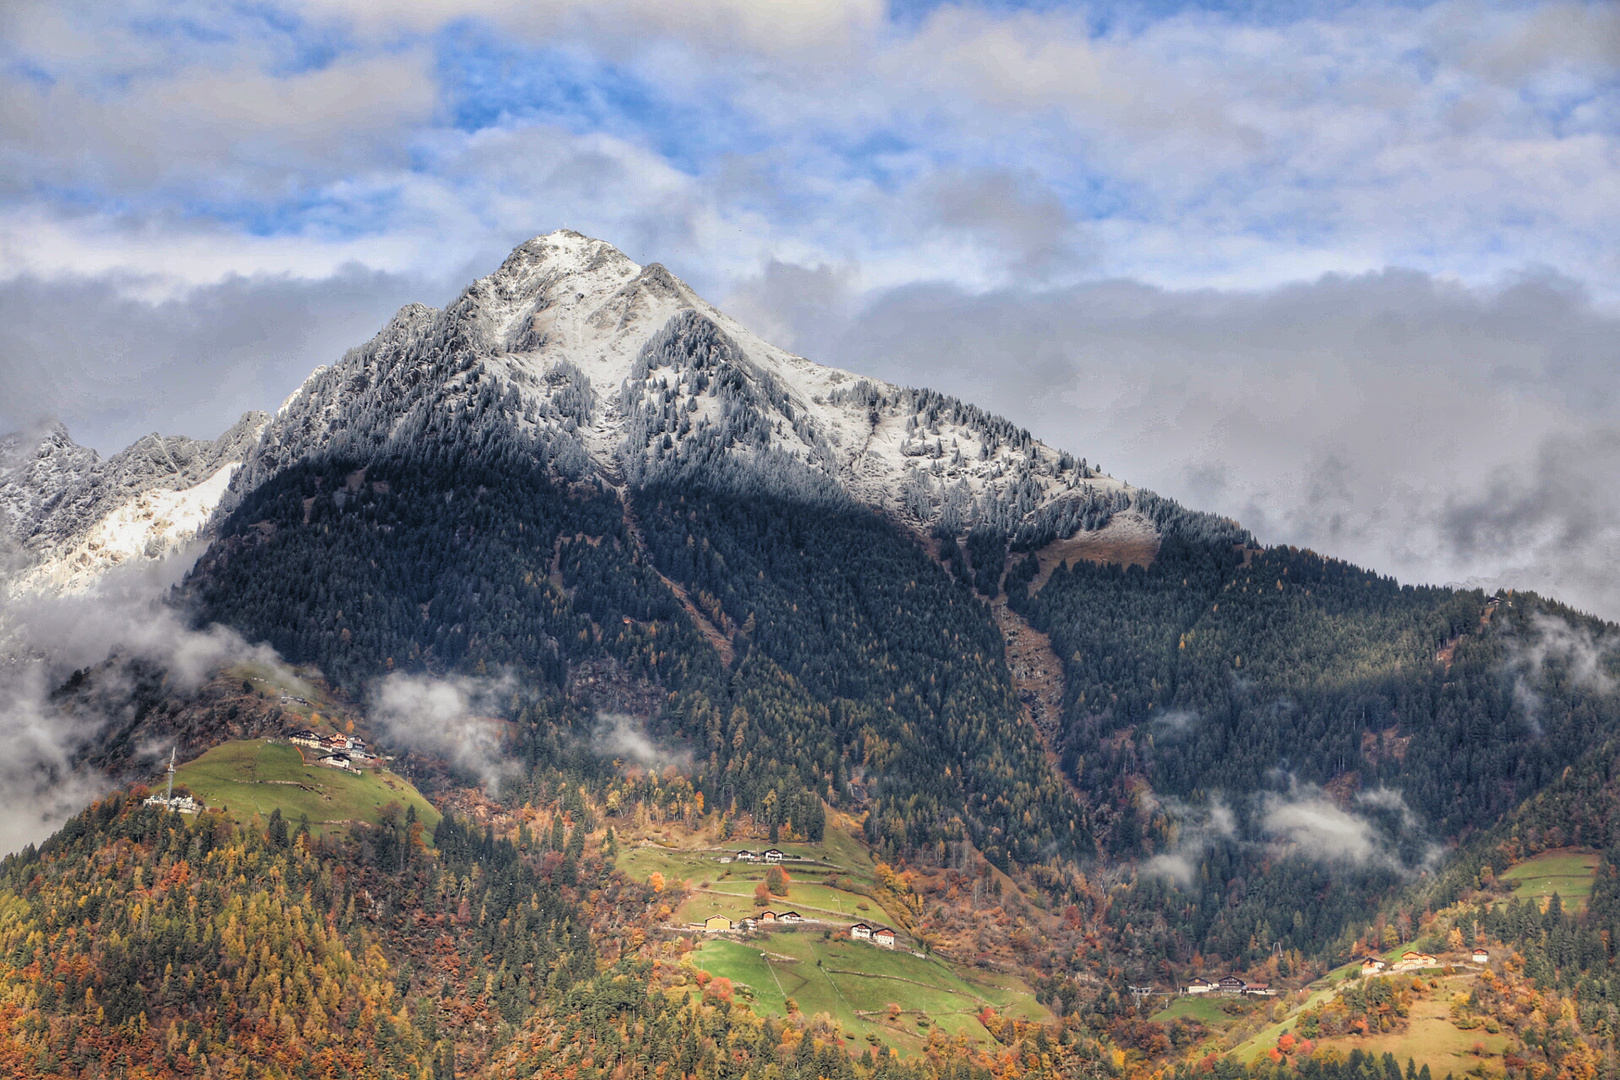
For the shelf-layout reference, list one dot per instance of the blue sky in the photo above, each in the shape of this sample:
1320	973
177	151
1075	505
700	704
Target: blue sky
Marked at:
200	200
1183	144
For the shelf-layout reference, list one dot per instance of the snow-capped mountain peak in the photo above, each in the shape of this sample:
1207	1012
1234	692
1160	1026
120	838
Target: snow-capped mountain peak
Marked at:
624	371
610	371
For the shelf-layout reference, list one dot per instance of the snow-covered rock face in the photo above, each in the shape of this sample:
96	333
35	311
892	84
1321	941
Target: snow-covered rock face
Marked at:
70	516
610	371
35	471
628	374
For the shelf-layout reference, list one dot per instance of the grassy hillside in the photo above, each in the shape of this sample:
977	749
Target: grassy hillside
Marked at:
833	879
257	777
1567	872
856	983
731	892
1428	1037
815	966
1205	1008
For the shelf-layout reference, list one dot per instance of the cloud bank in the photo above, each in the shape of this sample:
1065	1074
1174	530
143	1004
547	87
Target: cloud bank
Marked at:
1312	825
1440	432
40	787
623	737
454	719
115	365
1197	830
1558	649
982	144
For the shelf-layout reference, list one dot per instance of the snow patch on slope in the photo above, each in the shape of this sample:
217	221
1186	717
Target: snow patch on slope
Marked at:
70	516
564	298
35	471
153	525
607	371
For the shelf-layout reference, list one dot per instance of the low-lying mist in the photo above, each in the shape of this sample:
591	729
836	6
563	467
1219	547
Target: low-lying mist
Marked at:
44	639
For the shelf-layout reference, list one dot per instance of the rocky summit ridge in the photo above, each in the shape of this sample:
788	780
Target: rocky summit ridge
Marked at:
614	359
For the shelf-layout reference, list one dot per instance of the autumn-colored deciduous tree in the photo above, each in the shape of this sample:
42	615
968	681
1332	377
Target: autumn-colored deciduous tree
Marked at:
777	880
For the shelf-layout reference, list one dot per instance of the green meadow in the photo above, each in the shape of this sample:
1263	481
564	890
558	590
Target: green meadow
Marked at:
1205	1008
728	888
1565	872
856	983
247	777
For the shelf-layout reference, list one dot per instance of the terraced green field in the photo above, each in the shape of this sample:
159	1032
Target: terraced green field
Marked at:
248	777
855	983
1205	1008
735	898
1567	872
846	851
728	888
817	971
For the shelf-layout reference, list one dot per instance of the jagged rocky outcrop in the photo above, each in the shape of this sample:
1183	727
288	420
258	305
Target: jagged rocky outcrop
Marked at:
70	515
37	470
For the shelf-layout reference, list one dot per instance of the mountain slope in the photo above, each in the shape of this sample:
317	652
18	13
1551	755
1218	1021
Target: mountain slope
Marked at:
582	477
578	345
514	483
633	570
581	462
37	471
